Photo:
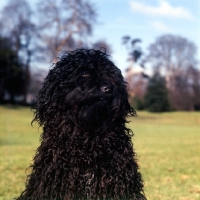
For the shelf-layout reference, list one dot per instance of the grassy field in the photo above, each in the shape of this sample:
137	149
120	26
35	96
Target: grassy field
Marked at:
167	144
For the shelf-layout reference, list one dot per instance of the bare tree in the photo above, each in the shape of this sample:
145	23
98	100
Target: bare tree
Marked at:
194	86
172	56
134	51
180	95
134	54
16	24
64	24
135	77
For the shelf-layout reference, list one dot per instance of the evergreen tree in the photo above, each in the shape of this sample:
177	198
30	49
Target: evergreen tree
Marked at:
156	98
12	74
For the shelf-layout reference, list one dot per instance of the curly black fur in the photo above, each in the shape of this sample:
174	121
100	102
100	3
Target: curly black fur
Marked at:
86	150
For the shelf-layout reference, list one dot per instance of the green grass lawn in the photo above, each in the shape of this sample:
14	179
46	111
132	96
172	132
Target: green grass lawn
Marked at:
167	145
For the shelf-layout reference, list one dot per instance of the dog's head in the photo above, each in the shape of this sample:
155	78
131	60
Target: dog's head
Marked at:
84	88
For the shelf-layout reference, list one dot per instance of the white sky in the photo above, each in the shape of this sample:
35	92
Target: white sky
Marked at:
143	19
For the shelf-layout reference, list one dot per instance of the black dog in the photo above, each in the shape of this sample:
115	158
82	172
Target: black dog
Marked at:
86	150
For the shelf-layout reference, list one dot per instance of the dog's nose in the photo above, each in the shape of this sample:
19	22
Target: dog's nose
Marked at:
105	88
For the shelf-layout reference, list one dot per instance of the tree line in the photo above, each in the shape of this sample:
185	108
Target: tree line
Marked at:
175	80
38	33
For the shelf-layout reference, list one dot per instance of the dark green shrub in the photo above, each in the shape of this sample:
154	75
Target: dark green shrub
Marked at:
156	97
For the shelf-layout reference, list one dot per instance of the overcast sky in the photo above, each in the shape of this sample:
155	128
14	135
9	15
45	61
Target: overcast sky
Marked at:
143	19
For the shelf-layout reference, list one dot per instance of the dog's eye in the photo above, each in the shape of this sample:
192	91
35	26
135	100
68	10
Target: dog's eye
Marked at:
85	74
